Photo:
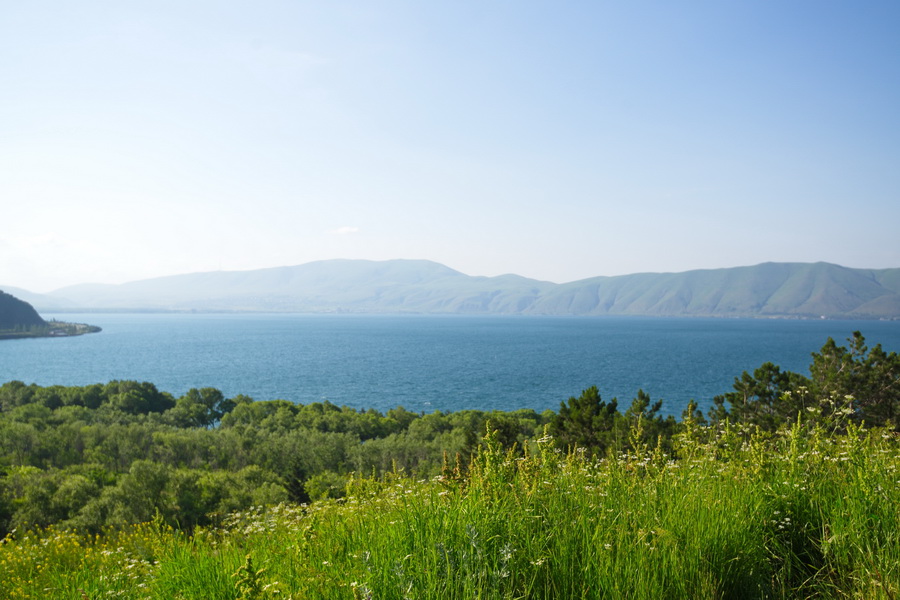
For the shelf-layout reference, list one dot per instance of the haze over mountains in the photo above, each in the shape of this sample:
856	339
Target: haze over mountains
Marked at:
808	290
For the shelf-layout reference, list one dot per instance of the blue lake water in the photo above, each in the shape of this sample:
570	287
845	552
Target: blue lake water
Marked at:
428	363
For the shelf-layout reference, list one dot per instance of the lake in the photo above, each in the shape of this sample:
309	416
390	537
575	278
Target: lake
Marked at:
428	363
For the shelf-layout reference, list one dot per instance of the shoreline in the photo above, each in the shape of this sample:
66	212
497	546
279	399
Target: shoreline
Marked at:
53	329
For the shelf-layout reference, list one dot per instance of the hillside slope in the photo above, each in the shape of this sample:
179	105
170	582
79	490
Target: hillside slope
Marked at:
769	289
808	290
17	314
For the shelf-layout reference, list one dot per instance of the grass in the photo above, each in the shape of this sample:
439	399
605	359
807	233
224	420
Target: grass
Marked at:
800	514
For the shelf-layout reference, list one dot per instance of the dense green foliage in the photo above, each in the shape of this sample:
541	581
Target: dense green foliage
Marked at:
861	383
123	452
120	453
574	503
733	512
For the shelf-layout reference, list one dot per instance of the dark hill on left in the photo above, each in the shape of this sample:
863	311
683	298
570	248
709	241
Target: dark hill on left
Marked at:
18	319
17	314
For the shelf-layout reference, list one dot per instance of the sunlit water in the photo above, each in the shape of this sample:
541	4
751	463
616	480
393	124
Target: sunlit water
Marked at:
428	363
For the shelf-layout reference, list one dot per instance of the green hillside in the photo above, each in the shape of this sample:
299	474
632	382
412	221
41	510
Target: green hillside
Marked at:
766	290
18	319
17	316
799	290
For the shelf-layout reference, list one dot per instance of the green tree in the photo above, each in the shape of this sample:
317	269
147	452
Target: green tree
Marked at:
645	424
136	498
588	422
767	398
203	407
15	393
134	398
870	377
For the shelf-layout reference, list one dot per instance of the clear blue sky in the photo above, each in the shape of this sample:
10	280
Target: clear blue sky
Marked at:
556	140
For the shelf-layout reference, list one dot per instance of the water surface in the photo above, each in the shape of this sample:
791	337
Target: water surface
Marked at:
428	363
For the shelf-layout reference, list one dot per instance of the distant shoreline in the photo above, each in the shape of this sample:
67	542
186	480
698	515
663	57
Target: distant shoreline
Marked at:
51	329
363	312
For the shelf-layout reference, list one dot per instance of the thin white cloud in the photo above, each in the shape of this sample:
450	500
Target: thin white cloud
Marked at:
344	230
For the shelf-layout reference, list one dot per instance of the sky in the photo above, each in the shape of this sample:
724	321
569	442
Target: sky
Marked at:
555	140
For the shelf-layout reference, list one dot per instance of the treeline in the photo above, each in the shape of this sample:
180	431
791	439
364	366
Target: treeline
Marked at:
106	455
48	329
847	384
24	331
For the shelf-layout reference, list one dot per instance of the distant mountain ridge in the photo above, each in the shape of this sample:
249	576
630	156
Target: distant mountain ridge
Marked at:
800	290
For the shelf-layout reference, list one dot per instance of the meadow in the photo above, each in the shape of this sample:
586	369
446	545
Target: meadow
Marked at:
730	512
788	488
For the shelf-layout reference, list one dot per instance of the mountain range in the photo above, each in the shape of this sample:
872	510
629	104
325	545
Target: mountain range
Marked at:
799	290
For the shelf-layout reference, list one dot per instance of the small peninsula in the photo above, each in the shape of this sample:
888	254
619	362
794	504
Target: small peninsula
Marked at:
18	319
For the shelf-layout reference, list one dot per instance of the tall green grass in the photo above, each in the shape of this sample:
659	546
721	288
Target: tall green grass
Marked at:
799	514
